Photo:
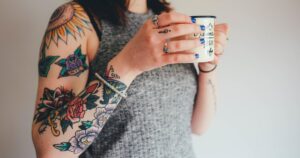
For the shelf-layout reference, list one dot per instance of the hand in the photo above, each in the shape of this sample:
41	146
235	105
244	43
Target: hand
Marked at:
221	35
145	51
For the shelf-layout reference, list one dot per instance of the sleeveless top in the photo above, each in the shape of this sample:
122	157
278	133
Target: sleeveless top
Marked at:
154	121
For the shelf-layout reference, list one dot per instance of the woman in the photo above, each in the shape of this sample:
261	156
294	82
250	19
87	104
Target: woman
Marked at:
107	88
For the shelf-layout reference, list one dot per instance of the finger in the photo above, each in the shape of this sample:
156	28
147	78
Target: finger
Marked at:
180	57
219	49
215	61
220	37
222	28
166	19
177	30
182	45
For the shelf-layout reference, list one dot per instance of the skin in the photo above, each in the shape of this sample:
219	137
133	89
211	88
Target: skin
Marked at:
206	101
52	135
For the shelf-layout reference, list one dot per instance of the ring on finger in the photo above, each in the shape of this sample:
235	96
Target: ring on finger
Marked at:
165	48
155	21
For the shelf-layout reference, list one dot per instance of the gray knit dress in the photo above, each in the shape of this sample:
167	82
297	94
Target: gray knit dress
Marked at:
154	121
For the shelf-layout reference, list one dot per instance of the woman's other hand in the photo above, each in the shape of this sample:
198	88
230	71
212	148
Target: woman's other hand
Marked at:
145	51
221	37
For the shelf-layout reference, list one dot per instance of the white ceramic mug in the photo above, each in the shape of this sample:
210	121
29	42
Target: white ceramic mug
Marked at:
206	37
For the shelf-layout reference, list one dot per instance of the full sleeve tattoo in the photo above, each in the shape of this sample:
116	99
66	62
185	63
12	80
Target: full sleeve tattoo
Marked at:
60	110
64	120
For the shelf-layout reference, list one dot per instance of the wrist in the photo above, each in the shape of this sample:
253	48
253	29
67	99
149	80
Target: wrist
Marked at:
207	67
123	70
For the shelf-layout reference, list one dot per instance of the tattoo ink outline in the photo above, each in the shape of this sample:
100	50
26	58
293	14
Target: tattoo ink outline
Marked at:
164	31
61	105
45	63
68	19
81	140
74	65
214	93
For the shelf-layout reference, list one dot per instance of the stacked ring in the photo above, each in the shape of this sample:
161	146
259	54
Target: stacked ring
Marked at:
155	21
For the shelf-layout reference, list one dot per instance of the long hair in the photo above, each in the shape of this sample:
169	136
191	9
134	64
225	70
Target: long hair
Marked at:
114	10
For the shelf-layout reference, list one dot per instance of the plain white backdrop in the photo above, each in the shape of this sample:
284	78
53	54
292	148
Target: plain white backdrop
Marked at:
258	81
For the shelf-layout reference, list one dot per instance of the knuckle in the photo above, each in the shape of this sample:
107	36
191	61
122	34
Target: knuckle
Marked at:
175	59
188	18
196	43
170	59
195	28
164	14
176	28
220	35
165	60
170	16
184	18
217	46
177	45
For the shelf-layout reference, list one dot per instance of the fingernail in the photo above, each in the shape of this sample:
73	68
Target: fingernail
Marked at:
197	56
202	40
193	19
202	27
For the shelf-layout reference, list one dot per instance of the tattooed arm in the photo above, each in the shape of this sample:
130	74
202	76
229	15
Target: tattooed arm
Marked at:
69	115
206	102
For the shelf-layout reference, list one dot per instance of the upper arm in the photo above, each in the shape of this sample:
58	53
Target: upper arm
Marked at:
63	73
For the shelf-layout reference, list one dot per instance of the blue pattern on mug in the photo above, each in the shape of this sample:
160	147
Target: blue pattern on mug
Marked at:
197	55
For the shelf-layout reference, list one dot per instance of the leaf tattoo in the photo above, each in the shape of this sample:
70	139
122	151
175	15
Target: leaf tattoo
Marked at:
73	65
63	146
45	63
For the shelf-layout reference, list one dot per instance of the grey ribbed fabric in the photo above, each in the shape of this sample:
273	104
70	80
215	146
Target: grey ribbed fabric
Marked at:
155	120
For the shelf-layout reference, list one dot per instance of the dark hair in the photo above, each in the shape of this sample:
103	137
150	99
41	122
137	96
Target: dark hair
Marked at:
114	10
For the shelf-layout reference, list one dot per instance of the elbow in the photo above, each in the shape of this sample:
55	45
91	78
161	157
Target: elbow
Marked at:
200	127
198	131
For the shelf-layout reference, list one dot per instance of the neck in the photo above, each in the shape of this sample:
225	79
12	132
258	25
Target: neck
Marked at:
138	6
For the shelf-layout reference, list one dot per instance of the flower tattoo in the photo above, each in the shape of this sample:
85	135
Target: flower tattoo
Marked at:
89	130
69	20
73	65
62	106
81	140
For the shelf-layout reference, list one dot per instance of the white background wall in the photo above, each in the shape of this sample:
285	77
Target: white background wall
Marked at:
259	99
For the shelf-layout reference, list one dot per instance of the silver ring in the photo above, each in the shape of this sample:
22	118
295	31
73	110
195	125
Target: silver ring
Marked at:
165	48
155	20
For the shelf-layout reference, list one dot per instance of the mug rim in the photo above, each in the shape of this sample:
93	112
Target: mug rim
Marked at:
204	16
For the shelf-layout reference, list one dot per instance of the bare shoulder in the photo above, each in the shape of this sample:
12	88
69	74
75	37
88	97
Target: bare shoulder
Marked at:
66	38
68	22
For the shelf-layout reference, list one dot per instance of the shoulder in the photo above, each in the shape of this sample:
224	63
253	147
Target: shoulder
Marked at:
68	22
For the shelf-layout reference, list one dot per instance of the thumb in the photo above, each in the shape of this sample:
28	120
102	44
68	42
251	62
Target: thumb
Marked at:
222	28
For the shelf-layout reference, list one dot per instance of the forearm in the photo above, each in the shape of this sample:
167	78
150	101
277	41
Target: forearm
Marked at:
75	125
206	102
